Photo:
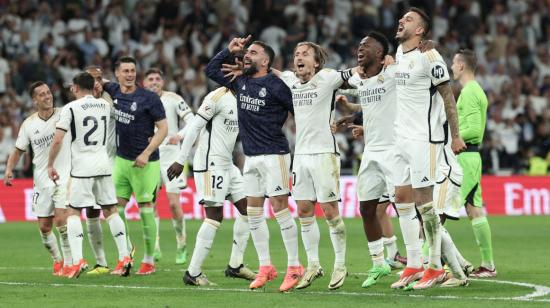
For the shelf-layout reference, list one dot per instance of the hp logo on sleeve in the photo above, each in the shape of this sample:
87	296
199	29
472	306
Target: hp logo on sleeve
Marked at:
438	72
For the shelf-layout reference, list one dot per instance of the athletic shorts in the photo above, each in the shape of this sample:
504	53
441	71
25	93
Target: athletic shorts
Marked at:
449	167
446	198
168	155
46	199
266	175
143	182
88	192
374	178
470	190
218	184
316	177
415	163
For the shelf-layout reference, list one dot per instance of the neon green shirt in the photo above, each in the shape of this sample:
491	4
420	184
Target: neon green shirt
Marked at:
472	112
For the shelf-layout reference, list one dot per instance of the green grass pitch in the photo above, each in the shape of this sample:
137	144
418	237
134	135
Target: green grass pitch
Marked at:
521	246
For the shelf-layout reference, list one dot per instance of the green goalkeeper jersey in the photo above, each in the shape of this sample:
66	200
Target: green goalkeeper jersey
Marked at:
472	112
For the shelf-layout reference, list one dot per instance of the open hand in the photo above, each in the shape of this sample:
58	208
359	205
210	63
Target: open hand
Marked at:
174	171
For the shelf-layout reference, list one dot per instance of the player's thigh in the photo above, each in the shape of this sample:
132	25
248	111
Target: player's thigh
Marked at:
144	182
213	185
168	156
82	195
121	177
424	163
302	179
42	203
236	185
371	182
104	191
470	190
400	164
275	171
325	171
254	185
447	198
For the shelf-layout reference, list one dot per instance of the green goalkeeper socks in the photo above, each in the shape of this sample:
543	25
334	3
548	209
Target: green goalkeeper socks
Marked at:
149	229
482	232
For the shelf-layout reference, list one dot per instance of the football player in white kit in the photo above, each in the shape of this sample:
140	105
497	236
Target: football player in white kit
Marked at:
176	109
217	179
86	120
419	141
49	199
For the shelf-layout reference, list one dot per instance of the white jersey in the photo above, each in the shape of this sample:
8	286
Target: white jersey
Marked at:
378	102
217	139
314	109
38	133
111	127
175	108
87	119
418	102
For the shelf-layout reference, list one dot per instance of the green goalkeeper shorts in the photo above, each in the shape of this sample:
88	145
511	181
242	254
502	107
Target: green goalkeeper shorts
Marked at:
143	182
470	190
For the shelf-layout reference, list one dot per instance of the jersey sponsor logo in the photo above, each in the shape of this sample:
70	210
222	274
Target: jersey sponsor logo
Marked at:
133	107
43	142
263	92
231	126
123	117
438	72
251	103
303	98
401	78
371	95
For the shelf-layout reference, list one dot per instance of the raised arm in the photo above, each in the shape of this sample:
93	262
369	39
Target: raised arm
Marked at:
213	69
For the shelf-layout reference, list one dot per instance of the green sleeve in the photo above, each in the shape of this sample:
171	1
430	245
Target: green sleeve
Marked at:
470	128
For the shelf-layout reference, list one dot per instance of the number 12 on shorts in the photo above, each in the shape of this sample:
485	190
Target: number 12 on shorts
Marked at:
217	182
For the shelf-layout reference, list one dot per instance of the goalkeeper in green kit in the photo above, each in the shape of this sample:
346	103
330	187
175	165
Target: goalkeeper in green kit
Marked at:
472	116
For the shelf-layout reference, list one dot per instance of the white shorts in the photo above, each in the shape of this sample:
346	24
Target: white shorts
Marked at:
168	155
266	175
316	177
46	199
88	192
447	199
415	163
449	167
218	184
374	178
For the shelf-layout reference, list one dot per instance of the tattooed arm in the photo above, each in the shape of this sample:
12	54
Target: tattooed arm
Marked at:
446	92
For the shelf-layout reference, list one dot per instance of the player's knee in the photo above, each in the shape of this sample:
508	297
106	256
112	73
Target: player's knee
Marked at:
92	213
367	210
241	207
405	209
214	213
45	227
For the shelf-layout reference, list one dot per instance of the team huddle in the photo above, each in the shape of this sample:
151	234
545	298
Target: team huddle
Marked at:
421	156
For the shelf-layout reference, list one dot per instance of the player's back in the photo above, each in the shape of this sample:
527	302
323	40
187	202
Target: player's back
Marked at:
217	139
89	119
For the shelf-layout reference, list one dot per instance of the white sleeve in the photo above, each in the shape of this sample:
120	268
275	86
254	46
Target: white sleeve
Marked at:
288	77
355	80
187	119
191	134
437	68
23	141
182	108
65	118
350	92
335	78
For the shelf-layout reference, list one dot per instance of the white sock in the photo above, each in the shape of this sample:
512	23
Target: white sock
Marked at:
432	230
410	227
376	250
157	243
337	231
205	237
289	232
448	251
310	238
260	234
50	242
95	237
65	246
459	257
181	236
76	235
241	232
116	225
390	243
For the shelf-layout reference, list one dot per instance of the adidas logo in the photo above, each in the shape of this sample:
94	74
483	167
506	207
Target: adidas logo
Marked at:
37	132
278	188
212	164
119	234
294	86
244	87
332	194
80	235
230	111
425	179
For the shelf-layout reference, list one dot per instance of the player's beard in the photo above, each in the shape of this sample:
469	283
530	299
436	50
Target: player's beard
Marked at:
251	70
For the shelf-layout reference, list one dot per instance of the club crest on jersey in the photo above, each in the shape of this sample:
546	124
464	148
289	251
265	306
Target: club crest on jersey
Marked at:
263	92
133	107
380	78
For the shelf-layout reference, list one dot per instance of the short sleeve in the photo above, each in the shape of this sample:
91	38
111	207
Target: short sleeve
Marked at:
182	108
65	118
355	80
334	78
437	68
23	141
209	106
110	88
288	77
156	109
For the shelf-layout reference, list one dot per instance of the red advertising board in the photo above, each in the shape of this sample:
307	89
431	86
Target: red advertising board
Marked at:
514	195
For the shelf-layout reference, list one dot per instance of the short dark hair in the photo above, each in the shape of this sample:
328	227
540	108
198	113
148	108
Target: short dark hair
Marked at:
319	53
35	85
268	50
469	58
125	59
84	81
426	20
154	70
380	38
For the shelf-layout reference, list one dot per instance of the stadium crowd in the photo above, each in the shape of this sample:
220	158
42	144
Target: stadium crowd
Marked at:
53	40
